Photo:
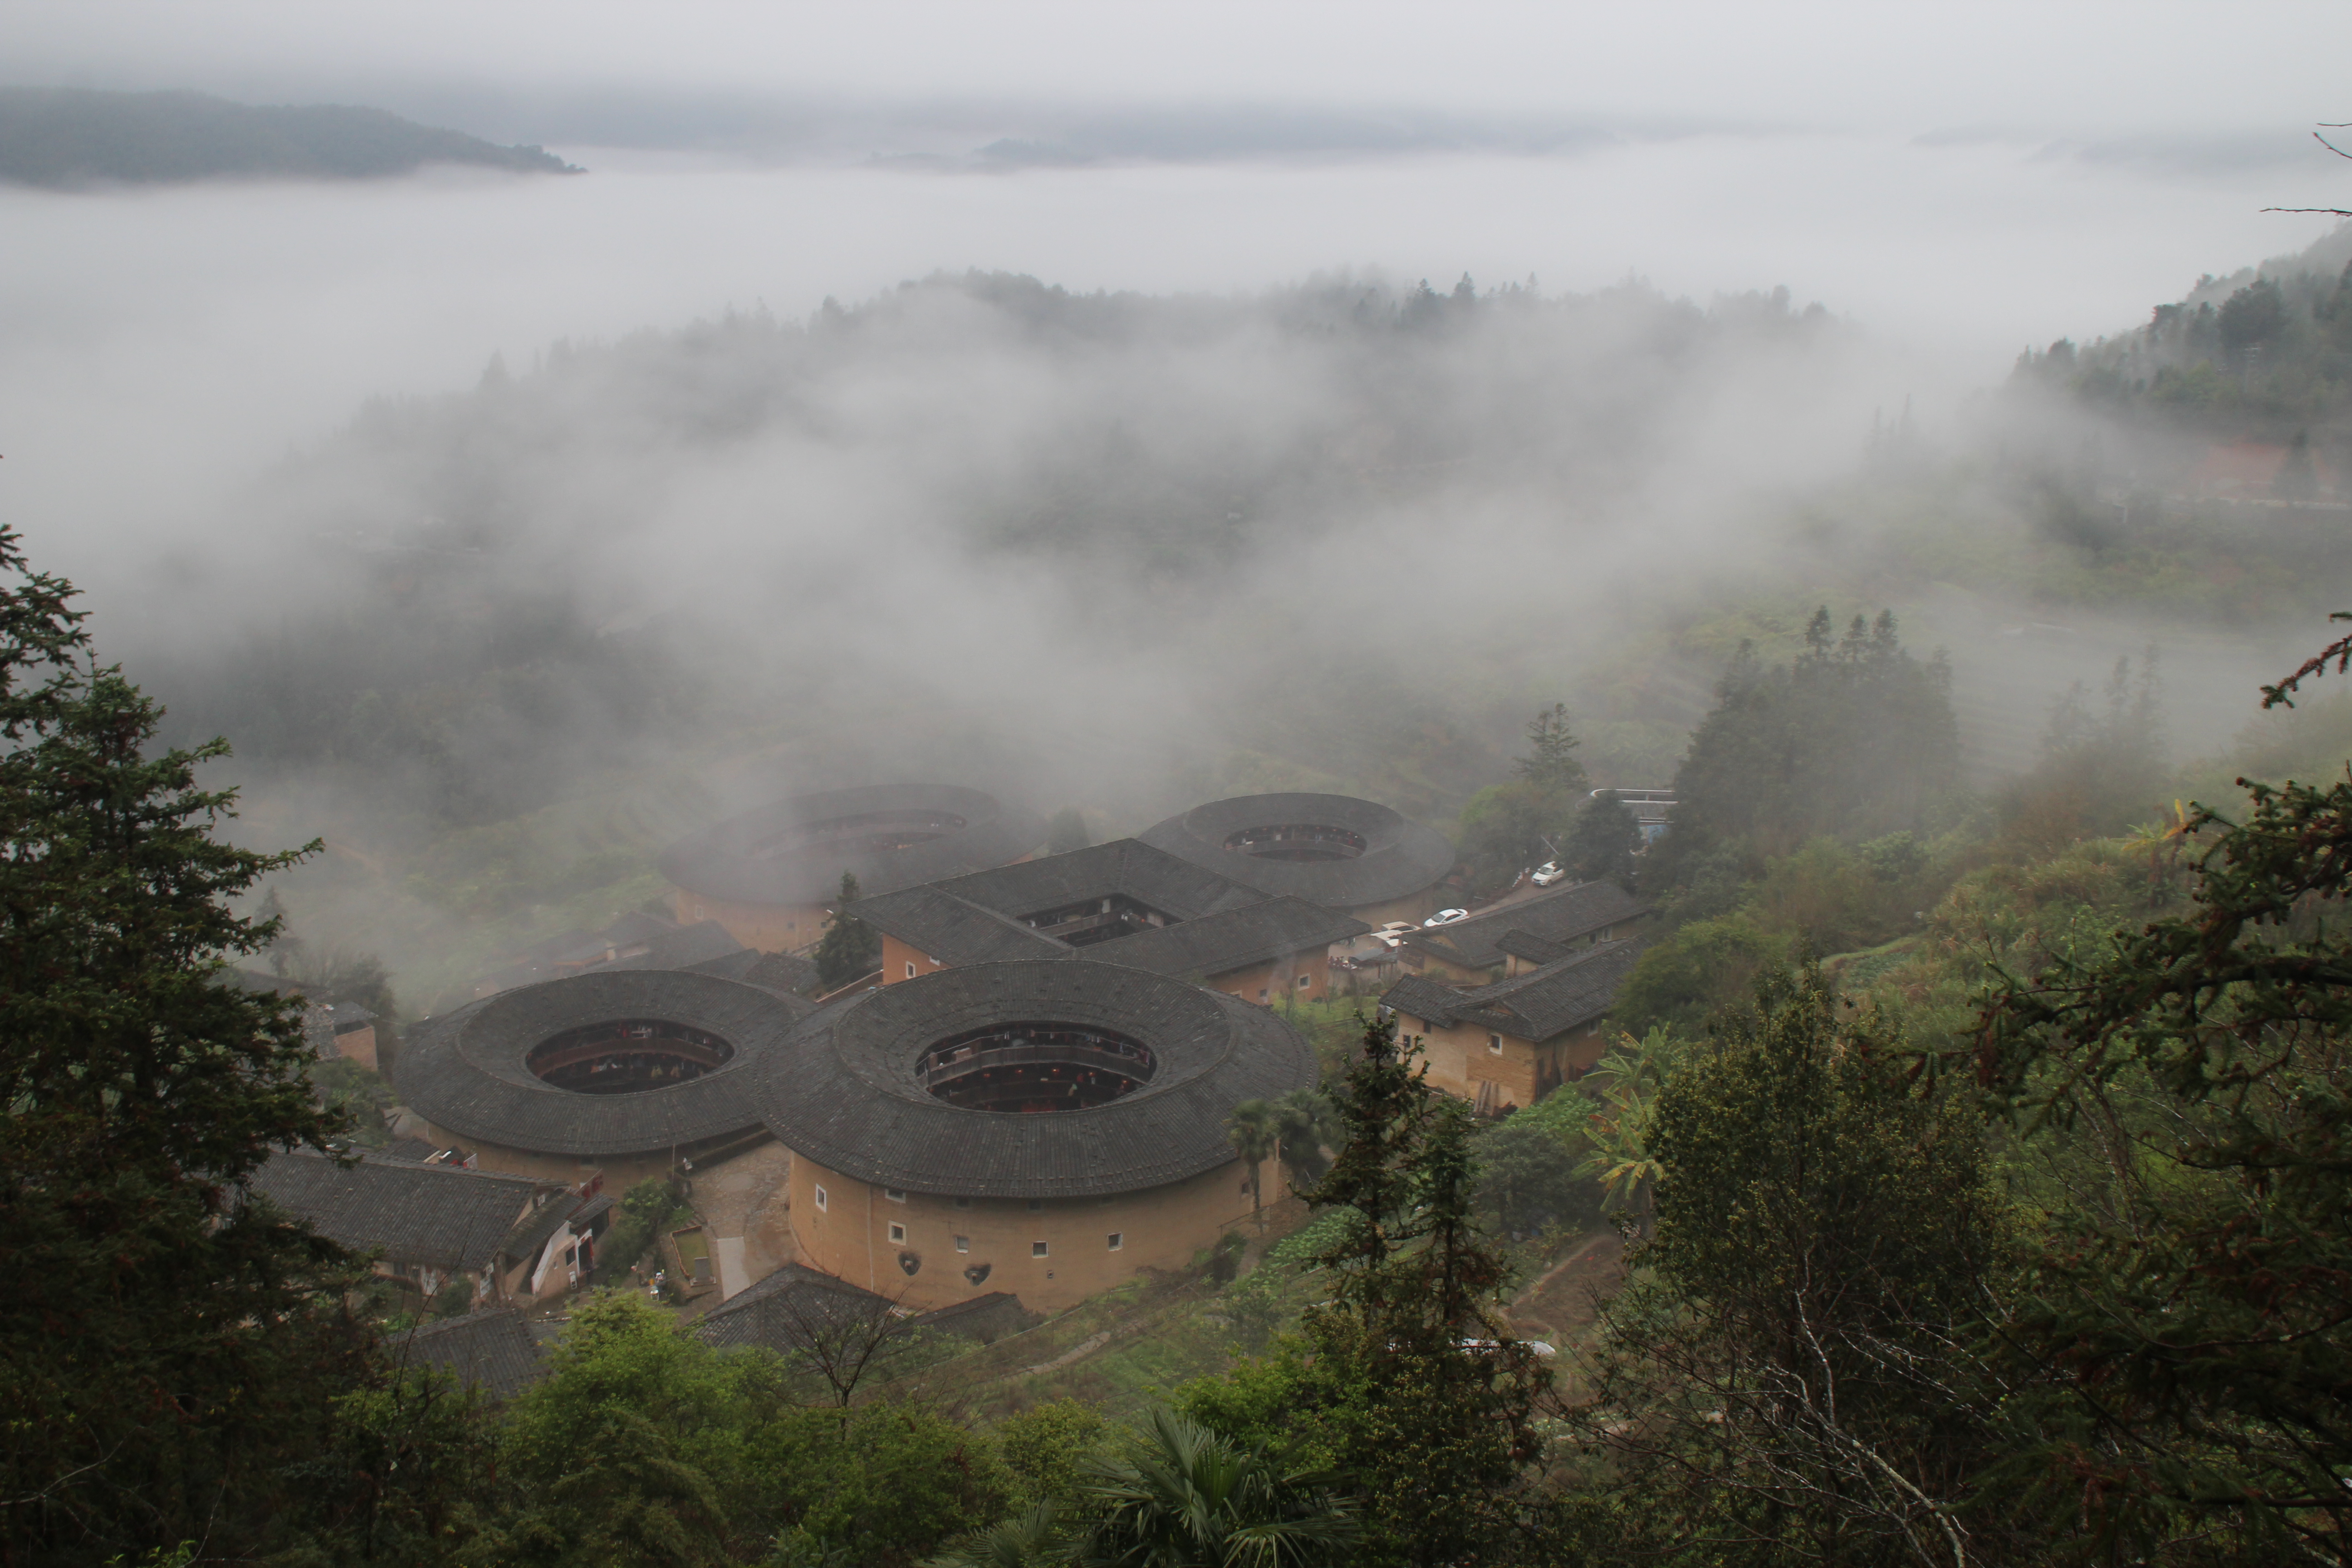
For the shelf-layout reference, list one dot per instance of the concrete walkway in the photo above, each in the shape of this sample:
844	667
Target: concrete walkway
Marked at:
744	1202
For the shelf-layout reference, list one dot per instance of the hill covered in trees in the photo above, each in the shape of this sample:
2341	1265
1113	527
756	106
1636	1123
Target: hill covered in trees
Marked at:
66	138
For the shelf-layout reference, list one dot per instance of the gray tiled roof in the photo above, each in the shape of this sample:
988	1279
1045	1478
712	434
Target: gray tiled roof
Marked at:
1530	948
1401	856
1266	931
1561	996
491	1350
451	1219
464	1071
779	971
776	1313
725	860
1221	924
531	1232
844	1093
1127	868
1561	915
955	929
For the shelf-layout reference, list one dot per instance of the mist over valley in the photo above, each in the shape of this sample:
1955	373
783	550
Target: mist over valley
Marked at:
1072	785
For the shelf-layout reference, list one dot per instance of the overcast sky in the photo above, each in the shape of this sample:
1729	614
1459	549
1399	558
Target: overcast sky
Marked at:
2082	68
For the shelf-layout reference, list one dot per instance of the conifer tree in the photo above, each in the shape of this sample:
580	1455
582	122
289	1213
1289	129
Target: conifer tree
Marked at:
166	1348
850	947
1602	843
1437	1422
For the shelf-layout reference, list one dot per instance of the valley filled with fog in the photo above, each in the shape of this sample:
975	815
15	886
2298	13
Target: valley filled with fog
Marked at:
931	787
1110	486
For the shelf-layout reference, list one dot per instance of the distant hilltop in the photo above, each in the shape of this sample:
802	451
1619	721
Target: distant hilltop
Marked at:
69	137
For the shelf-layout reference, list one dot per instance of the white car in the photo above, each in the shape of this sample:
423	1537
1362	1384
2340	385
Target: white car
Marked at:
1445	918
1548	873
1394	928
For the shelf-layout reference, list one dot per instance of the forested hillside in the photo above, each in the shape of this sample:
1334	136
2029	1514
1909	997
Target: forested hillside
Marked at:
67	138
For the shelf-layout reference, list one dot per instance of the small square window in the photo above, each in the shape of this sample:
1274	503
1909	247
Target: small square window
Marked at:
963	1203
897	1233
964	1244
820	1200
1036	1206
935	963
1495	1044
894	1194
1303	980
910	969
1117	1240
1261	992
1036	1250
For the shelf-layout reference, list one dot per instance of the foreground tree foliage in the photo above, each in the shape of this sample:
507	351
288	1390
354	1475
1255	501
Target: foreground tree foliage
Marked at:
1406	1381
644	1446
1794	1377
166	1350
2195	1324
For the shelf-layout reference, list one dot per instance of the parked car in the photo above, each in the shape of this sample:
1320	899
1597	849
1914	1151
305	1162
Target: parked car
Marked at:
1393	927
1446	918
1548	873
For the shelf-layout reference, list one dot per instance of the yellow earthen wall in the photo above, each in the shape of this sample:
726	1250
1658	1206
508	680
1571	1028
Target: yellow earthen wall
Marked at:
1160	1227
1267	983
358	1046
771	928
622	1172
1523	1071
896	958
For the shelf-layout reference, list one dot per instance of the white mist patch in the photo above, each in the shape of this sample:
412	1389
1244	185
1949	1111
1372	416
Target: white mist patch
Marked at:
158	349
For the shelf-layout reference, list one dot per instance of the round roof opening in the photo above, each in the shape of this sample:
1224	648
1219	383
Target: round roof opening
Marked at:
626	1055
1032	1068
1296	841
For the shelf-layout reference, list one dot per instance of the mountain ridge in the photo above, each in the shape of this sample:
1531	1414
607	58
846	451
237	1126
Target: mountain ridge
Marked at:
74	138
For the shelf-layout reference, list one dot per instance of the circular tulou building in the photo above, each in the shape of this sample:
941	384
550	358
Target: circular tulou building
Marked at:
769	876
627	1071
1041	1127
1353	856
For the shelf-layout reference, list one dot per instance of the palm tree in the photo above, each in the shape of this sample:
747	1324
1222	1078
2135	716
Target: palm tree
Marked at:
1193	1499
1308	1124
1031	1538
1255	1131
1627	1079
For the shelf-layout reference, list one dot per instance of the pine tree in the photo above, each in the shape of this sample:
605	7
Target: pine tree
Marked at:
166	1348
1550	763
850	948
1438	1421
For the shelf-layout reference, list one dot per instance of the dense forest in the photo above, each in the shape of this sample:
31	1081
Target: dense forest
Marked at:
71	138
